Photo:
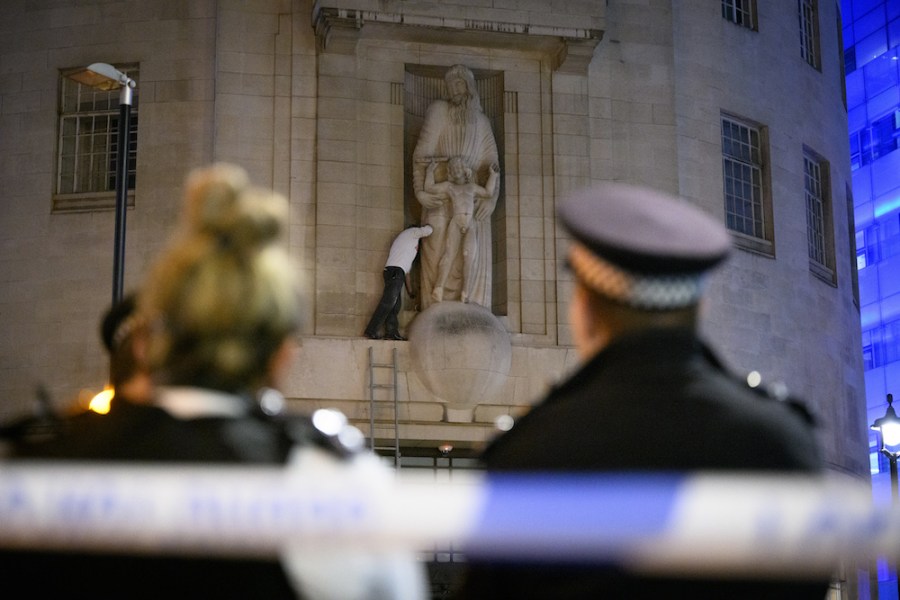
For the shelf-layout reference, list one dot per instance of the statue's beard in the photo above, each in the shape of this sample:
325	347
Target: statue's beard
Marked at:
459	108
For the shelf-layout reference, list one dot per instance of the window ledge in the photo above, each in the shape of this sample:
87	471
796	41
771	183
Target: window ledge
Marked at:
753	244
822	272
88	202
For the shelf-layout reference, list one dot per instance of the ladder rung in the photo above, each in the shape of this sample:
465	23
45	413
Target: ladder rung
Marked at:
382	386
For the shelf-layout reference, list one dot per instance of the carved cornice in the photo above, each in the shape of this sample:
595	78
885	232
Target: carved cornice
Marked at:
338	30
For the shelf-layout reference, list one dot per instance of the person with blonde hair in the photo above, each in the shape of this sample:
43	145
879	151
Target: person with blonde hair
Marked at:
219	311
223	300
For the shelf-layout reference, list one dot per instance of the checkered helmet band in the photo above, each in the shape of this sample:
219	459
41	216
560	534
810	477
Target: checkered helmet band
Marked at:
649	292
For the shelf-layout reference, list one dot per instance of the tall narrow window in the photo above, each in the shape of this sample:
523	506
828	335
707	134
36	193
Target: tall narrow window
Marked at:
819	228
740	12
852	243
874	244
747	209
88	145
809	32
862	258
871	348
860	148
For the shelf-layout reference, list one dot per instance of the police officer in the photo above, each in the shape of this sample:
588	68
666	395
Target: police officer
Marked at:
220	311
650	395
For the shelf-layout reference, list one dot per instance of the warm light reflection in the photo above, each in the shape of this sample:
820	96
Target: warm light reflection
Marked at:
101	402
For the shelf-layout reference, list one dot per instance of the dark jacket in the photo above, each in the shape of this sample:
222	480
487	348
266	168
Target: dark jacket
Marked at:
654	401
142	433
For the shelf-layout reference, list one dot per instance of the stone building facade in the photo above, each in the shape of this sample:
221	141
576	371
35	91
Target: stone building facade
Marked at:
315	99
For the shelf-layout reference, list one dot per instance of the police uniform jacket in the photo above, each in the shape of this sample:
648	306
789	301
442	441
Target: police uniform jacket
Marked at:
652	401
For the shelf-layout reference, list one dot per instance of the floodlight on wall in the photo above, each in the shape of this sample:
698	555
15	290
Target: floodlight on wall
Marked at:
106	77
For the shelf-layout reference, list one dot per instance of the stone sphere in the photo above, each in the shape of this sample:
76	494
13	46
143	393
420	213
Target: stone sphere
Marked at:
461	352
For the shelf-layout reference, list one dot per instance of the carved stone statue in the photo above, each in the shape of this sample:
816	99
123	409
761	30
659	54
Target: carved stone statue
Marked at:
462	193
456	127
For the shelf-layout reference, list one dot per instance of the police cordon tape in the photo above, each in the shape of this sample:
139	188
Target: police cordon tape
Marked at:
707	523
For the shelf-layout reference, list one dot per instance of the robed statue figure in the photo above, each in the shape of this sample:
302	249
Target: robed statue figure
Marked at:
456	127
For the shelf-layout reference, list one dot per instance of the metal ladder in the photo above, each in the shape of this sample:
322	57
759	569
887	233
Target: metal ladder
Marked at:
374	402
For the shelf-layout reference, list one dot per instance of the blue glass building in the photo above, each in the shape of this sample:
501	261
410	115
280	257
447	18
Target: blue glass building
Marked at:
871	32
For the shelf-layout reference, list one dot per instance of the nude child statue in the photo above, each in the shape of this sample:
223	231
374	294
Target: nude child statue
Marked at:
462	193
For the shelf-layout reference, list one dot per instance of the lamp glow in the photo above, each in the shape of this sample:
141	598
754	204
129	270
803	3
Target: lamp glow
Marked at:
101	402
889	428
891	434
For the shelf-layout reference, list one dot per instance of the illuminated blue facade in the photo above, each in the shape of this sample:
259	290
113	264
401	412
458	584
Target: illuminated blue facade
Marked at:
871	32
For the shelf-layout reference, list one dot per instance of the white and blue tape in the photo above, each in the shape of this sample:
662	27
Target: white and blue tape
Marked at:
703	523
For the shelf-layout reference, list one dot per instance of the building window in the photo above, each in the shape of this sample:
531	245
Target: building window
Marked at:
853	243
862	257
885	132
819	231
839	32
809	32
850	60
870	349
740	12
877	242
881	345
747	206
860	148
88	145
875	141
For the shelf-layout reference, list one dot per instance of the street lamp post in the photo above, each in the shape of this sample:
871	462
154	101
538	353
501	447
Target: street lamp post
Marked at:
888	427
106	77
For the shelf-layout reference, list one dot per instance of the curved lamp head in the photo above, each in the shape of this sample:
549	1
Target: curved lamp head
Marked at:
102	76
889	428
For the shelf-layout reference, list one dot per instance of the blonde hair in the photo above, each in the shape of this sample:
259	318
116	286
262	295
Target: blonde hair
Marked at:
223	296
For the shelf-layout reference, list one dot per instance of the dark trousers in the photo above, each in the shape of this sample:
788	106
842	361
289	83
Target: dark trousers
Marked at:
389	306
